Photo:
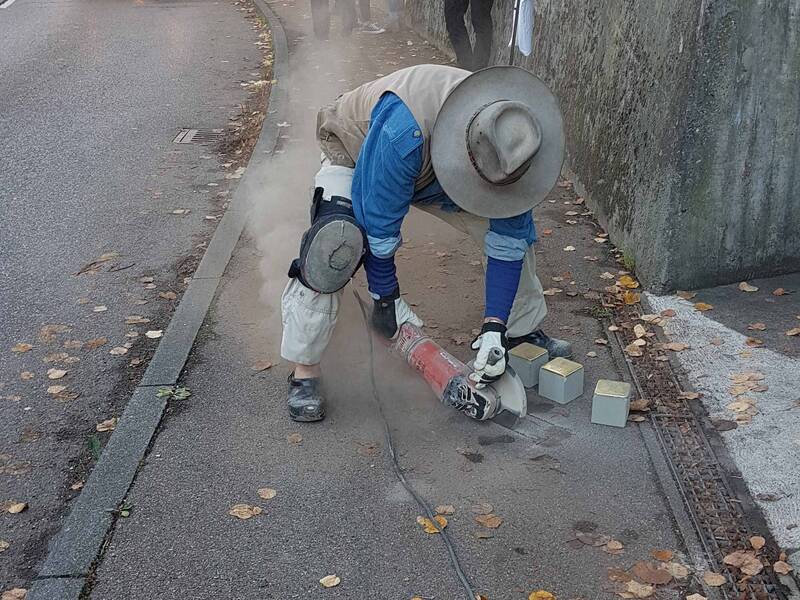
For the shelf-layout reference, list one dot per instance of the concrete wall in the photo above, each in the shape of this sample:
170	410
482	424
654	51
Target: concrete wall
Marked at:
682	125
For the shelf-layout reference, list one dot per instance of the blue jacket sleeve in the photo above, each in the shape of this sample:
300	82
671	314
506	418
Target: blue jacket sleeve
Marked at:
505	244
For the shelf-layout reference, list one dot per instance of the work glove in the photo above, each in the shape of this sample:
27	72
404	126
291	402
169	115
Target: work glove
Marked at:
492	347
390	312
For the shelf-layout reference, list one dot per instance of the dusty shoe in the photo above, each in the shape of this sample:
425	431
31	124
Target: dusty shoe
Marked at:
554	346
306	402
369	27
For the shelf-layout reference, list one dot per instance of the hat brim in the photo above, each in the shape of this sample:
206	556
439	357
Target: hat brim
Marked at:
451	162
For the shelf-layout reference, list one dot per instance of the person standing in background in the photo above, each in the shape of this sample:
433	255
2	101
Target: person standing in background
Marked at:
468	57
346	9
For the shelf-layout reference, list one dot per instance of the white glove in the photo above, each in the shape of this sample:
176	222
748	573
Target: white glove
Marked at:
389	314
490	363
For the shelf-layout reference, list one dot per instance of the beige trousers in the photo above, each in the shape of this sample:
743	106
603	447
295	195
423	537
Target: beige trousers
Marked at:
309	317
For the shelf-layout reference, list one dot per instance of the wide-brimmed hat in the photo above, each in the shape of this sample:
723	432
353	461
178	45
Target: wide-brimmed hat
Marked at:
498	142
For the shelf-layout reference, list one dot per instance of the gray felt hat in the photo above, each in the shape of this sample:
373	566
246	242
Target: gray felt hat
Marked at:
498	142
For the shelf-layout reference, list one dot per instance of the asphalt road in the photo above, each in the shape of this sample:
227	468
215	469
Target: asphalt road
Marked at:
92	95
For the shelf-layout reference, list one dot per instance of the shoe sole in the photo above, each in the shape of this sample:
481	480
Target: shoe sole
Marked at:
307	418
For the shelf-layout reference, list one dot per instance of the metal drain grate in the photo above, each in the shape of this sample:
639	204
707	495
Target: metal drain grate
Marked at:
712	505
198	136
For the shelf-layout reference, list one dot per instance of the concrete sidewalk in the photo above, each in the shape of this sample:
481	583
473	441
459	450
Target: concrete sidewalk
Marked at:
339	508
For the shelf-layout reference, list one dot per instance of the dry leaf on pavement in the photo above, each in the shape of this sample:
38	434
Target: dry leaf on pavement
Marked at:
95	343
13	507
614	547
794	331
592	539
428	526
757	542
754	342
713	579
244	511
782	568
779	292
676	346
668	312
630	297
267	493
696	597
552	291
619	575
136	320
756	327
689	396
56	389
639	330
489	521
745	561
686	295
601	342
746	287
569	249
662	555
154	334
55	373
677	570
628	282
639	590
261	365
541	595
20	347
107	425
14	594
4	545
482	508
445	509
633	350
640	405
294	438
703	306
167	295
118	351
26	375
651	573
330	581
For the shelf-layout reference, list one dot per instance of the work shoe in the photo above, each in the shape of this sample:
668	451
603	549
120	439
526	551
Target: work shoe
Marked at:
306	402
369	27
554	346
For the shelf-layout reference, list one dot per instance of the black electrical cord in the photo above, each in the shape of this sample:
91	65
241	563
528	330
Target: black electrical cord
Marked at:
471	595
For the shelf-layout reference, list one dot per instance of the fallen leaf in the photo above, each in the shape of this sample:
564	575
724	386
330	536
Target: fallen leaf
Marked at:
614	547
613	328
100	308
753	342
716	341
689	395
26	375
267	493
21	347
757	327
630	297
244	511
633	350
55	373
95	343
154	334
696	597
592	539
713	579
445	509
76	486
489	521
639	590
628	282
136	320
757	542
541	595
739	406
794	331
662	555
56	389
779	292
118	351
107	425
639	330
569	249
168	295
651	573
746	287
781	567
601	342
13	507
668	313
261	365
676	346
600	240
547	232
607	275
4	545
677	570
746	562
484	535
640	405
686	295
428	526
294	438
702	306
14	594
591	354
639	342
552	291
618	575
330	581
482	508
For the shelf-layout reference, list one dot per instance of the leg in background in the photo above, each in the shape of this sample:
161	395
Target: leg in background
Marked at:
321	17
346	10
481	16
454	11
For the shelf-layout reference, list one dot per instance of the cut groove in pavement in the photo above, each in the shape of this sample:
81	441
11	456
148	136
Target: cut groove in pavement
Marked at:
75	550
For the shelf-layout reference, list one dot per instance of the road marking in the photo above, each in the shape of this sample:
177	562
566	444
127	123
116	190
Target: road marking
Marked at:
7	3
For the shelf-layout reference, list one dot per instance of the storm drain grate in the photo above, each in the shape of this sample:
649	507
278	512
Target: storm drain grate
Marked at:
198	136
712	505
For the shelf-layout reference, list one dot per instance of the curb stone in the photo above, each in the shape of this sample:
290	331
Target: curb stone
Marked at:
79	543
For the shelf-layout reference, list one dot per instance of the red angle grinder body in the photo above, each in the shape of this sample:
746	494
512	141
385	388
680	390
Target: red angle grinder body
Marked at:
449	379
